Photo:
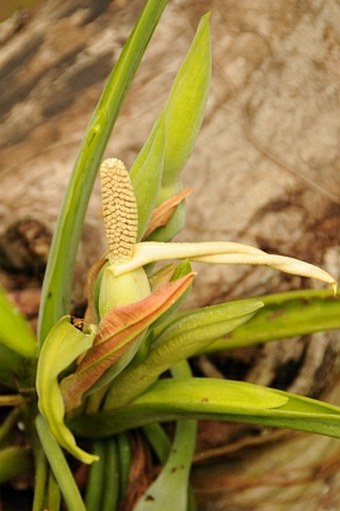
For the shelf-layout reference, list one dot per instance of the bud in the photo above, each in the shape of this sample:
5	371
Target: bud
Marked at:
122	290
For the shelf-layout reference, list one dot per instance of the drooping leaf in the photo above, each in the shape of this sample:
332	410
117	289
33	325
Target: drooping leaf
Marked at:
63	345
116	332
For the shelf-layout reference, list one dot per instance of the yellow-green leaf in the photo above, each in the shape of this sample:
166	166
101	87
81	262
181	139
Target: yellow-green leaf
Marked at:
15	332
62	346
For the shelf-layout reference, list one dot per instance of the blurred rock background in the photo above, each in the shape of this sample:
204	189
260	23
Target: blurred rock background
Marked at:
265	171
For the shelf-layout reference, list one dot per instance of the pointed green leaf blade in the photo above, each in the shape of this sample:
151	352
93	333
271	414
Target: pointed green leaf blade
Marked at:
183	115
224	400
56	290
146	175
185	108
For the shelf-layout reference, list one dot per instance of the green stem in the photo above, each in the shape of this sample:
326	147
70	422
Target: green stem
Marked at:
124	456
12	400
59	273
60	467
8	423
54	496
112	477
158	440
41	470
95	481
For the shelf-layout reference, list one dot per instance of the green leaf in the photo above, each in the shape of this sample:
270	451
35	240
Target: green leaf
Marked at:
146	175
14	461
181	342
15	332
210	399
59	272
12	365
185	108
183	114
60	468
170	490
285	315
62	346
207	321
116	333
124	462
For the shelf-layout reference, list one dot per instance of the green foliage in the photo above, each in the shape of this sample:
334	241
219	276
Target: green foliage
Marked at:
56	291
15	333
100	378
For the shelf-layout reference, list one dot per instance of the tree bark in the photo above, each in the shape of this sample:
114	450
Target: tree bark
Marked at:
265	171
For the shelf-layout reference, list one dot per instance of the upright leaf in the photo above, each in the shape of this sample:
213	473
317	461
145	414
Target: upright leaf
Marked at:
185	108
146	175
183	115
58	278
